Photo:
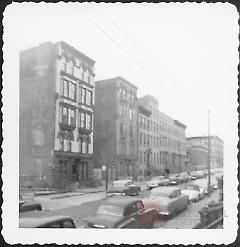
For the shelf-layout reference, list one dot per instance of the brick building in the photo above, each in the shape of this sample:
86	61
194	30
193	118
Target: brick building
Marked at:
161	136
56	112
115	142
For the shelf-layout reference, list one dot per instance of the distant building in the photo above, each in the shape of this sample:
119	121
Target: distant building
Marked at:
56	112
160	137
197	155
198	152
115	140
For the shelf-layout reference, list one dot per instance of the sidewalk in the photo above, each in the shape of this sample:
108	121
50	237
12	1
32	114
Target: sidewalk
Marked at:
54	194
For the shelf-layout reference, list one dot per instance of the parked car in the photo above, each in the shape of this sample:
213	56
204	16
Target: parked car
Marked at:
58	221
167	200
194	192
173	179
183	178
198	174
28	205
123	187
157	181
122	212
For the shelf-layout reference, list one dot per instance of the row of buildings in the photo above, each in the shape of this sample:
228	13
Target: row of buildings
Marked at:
71	126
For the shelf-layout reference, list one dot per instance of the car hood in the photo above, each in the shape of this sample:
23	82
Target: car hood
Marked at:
107	221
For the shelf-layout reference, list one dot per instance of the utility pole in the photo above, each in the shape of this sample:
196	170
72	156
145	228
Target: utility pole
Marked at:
209	155
107	160
179	156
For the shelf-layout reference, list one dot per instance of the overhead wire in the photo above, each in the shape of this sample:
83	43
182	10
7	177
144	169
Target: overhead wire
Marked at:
148	57
132	57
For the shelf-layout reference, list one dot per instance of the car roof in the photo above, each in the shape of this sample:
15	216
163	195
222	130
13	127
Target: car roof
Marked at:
30	222
166	189
121	200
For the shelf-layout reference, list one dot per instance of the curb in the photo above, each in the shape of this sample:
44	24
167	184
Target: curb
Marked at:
77	194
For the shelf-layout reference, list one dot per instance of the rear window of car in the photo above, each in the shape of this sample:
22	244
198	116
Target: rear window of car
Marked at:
68	224
110	210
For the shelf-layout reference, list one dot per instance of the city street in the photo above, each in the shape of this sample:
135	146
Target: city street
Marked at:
80	206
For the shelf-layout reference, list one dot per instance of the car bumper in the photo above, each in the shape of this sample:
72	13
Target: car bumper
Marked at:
115	194
164	213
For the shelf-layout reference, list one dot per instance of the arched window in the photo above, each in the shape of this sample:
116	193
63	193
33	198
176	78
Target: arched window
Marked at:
63	63
70	67
81	73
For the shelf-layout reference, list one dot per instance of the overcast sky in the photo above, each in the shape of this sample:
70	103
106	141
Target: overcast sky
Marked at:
185	55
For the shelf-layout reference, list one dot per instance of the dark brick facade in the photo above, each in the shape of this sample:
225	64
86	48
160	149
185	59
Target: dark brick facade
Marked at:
36	113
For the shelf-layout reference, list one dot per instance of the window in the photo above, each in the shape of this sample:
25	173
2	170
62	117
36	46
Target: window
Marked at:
82	120
140	138
121	129
72	117
68	224
65	88
69	145
70	67
88	121
88	97
72	91
131	113
80	145
83	95
64	115
131	131
121	110
131	209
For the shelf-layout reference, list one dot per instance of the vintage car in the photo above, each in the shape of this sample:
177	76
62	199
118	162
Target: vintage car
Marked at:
194	192
28	205
157	181
197	174
173	179
183	177
167	200
122	212
57	221
123	187
129	178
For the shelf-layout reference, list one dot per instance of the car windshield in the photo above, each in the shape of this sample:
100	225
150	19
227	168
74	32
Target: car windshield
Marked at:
119	184
110	210
159	193
156	179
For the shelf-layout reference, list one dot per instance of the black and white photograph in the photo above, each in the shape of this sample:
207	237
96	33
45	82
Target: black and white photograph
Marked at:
120	123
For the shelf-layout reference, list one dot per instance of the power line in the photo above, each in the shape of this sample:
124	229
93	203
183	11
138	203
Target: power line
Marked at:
128	54
147	56
144	53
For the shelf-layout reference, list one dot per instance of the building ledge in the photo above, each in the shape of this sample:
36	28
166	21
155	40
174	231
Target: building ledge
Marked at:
64	154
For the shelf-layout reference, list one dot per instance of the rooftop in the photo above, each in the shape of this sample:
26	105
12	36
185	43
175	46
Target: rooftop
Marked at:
115	79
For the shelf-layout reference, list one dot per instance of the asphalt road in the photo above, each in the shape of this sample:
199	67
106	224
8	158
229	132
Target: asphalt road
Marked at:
84	207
